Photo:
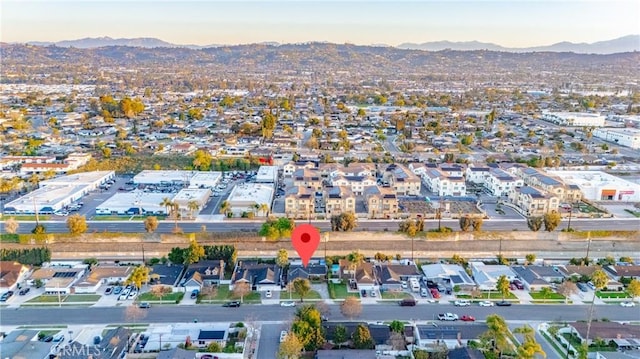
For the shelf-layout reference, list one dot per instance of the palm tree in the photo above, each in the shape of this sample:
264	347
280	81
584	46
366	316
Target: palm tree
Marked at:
355	259
256	208
192	206
166	203
264	208
225	207
176	210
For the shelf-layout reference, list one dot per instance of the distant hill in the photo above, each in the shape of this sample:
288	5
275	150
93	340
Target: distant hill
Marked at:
95	42
628	43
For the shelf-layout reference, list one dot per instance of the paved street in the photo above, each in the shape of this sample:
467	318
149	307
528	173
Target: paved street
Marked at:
371	225
391	311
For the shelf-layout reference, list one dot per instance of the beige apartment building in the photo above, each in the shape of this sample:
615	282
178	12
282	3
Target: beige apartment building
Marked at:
339	200
381	202
402	180
532	201
300	202
305	177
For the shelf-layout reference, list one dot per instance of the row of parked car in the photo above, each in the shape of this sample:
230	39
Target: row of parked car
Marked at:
123	293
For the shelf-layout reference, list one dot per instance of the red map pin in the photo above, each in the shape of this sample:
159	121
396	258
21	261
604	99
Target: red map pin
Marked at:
305	239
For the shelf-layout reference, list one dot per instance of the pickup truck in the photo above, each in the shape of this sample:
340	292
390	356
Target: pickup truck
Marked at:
447	316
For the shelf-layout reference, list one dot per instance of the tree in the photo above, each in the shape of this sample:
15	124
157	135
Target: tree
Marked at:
503	286
151	224
11	225
531	257
264	208
192	206
160	290
397	326
351	307
529	349
240	290
465	223
551	221
193	253
133	313
495	338
225	207
344	222
308	327
634	288
77	224
477	224
282	259
202	160
138	276
167	204
355	259
339	335
534	223
176	255
567	288
302	287
396	341
599	279
290	348
214	347
362	337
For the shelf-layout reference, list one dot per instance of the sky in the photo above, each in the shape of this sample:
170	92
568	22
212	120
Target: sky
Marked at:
512	23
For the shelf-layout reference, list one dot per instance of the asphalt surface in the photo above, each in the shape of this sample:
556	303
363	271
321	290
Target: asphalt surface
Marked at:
239	225
384	312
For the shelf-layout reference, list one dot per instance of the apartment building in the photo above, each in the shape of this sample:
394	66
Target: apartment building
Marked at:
444	185
402	180
551	184
300	202
532	201
380	202
339	199
477	174
500	183
305	177
356	183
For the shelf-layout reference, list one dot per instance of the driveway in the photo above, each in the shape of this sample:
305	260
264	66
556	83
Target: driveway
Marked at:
270	340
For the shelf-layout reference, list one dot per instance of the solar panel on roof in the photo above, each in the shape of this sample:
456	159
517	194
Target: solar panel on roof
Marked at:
64	274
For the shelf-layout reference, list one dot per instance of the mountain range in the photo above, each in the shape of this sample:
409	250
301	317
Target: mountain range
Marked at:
628	43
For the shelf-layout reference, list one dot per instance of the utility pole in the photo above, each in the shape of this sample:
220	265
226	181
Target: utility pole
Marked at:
569	222
143	254
586	258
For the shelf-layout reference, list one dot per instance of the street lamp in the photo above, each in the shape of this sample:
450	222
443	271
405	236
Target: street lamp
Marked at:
569	222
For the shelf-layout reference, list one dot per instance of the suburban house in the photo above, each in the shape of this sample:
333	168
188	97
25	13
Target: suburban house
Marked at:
100	275
313	271
211	335
500	183
450	336
23	343
531	280
58	279
617	272
465	353
453	274
623	334
11	273
113	345
166	275
206	272
390	276
486	275
260	276
363	275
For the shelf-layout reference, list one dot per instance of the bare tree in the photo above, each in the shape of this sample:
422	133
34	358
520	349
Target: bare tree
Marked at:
11	225
133	313
351	307
567	289
240	290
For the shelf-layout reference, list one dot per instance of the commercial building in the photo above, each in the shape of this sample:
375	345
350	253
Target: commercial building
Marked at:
601	186
575	119
54	194
244	197
136	202
193	179
188	197
628	137
267	174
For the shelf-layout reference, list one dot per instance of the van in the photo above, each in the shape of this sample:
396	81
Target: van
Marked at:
415	286
408	302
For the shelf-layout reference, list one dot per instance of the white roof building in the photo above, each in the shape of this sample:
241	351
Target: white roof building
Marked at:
486	275
267	174
163	177
245	196
628	137
576	119
135	202
601	186
205	179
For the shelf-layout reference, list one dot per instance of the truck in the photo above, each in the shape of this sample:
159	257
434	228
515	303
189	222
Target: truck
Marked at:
447	316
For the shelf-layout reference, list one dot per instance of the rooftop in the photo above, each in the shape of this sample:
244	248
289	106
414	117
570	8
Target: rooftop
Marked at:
251	193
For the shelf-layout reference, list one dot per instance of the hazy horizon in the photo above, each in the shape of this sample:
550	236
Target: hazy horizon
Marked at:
515	23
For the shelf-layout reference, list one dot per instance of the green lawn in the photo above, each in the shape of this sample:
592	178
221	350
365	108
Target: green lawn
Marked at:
539	296
223	294
167	298
612	295
395	295
488	295
47	299
75	298
26	217
339	291
575	343
108	217
311	295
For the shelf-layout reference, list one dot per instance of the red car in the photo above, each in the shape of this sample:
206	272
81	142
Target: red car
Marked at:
435	293
467	318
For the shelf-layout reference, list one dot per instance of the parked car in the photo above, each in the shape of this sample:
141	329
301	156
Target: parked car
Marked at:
467	318
108	290
283	335
96	340
194	294
47	339
486	303
268	294
462	303
503	303
132	294
233	304
423	292
583	287
6	296
447	316
373	293
117	290
627	304
24	291
363	293
144	305
288	304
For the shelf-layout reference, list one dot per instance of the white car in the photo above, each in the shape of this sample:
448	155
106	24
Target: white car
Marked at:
283	335
288	304
486	303
268	294
462	303
628	304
